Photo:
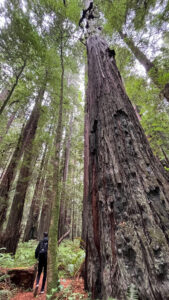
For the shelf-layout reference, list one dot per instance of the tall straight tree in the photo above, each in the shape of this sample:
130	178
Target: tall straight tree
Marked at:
31	228
128	202
11	236
53	232
62	223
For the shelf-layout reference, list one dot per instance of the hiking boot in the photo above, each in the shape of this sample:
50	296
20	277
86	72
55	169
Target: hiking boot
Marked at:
42	292
36	290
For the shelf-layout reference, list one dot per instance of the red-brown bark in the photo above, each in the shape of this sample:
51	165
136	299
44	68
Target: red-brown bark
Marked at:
85	180
128	203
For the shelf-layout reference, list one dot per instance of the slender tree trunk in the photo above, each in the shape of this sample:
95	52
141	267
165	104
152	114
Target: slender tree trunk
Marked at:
73	219
128	215
13	88
31	228
53	231
46	210
62	223
11	236
149	66
4	94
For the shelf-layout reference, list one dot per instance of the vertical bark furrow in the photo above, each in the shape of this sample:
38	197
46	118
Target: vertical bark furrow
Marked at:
95	210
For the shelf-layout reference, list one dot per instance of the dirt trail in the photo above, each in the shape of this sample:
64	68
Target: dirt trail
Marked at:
77	286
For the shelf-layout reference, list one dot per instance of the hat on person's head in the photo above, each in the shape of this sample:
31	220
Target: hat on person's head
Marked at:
45	234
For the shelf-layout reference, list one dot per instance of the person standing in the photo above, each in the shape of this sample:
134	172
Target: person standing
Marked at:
41	255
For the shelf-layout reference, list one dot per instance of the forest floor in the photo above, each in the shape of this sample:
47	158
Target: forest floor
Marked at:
72	288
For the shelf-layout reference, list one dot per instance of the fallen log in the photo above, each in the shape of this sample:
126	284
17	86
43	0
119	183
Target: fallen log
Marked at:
63	237
21	277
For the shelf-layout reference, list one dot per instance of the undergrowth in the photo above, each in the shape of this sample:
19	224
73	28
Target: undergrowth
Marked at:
70	258
24	257
65	293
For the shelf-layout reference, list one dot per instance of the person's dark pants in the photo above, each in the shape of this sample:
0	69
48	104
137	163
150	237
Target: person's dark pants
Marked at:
42	266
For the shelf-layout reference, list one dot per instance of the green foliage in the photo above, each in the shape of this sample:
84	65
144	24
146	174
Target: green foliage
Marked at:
70	258
153	113
124	60
64	293
24	257
4	277
5	295
132	293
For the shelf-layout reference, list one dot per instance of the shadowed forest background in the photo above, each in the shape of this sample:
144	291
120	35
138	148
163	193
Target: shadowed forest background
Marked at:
78	159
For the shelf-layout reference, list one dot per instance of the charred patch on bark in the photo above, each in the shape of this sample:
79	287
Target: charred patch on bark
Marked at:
111	53
161	216
94	127
129	256
92	144
96	291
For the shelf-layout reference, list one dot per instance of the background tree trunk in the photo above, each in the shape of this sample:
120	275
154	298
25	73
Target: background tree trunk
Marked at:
9	175
149	66
55	209
128	216
62	222
44	221
10	121
10	92
31	229
10	238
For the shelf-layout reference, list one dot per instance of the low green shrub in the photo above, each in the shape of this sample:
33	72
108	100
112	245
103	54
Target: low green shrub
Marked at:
24	257
5	295
70	258
132	293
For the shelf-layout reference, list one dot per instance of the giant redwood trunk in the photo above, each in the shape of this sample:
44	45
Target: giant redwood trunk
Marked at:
128	200
11	236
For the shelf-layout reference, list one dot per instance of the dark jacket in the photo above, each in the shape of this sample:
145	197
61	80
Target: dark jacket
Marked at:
42	245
